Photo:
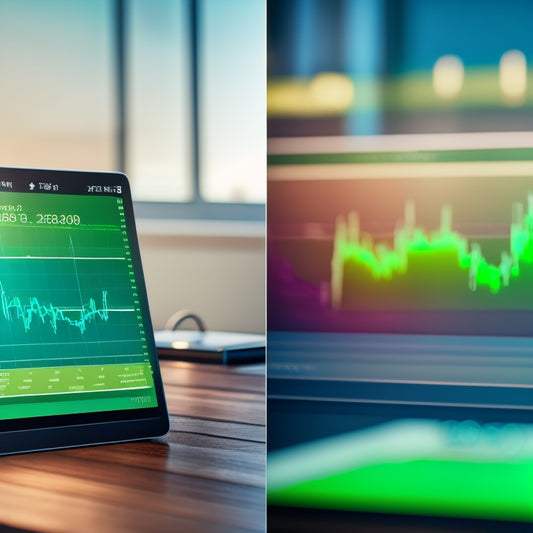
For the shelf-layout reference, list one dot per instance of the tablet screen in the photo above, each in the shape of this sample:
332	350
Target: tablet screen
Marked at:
75	333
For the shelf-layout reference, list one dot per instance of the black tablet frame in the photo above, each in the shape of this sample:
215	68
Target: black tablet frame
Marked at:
61	431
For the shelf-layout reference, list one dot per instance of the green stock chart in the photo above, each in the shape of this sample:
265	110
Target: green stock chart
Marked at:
439	269
72	337
403	254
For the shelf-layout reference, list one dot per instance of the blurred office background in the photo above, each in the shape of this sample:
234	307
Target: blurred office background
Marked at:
365	67
349	83
171	92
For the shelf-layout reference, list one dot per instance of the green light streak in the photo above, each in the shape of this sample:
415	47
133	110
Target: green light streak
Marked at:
50	313
483	489
430	467
410	242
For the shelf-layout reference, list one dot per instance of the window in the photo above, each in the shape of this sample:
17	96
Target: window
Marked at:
232	91
173	92
158	122
57	93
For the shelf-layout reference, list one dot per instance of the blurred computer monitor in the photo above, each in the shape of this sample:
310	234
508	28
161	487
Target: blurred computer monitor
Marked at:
400	326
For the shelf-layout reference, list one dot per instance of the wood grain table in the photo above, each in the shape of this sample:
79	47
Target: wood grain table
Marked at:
207	475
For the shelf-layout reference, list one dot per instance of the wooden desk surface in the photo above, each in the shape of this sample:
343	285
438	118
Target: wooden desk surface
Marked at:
208	474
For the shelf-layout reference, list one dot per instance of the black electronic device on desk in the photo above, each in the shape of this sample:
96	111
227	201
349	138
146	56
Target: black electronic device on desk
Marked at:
78	363
223	347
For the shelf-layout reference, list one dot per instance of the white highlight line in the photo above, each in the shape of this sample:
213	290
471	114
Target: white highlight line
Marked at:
79	310
73	358
352	171
67	257
39	344
409	142
401	402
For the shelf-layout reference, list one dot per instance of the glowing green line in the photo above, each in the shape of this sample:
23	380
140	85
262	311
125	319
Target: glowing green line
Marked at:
26	313
383	262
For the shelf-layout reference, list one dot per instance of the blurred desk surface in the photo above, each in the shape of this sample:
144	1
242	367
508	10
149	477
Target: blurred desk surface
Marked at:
208	474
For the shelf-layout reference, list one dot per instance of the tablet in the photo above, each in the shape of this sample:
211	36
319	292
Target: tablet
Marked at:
78	363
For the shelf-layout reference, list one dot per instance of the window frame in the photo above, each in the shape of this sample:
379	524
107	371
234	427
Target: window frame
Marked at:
197	208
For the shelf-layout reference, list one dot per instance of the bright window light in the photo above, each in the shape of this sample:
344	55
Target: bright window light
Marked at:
232	100
158	93
57	88
448	77
513	77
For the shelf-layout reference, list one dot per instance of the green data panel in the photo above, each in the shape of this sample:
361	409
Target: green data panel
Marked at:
496	490
407	466
72	379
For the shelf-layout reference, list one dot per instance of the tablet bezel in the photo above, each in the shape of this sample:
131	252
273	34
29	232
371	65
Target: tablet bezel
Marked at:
61	431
